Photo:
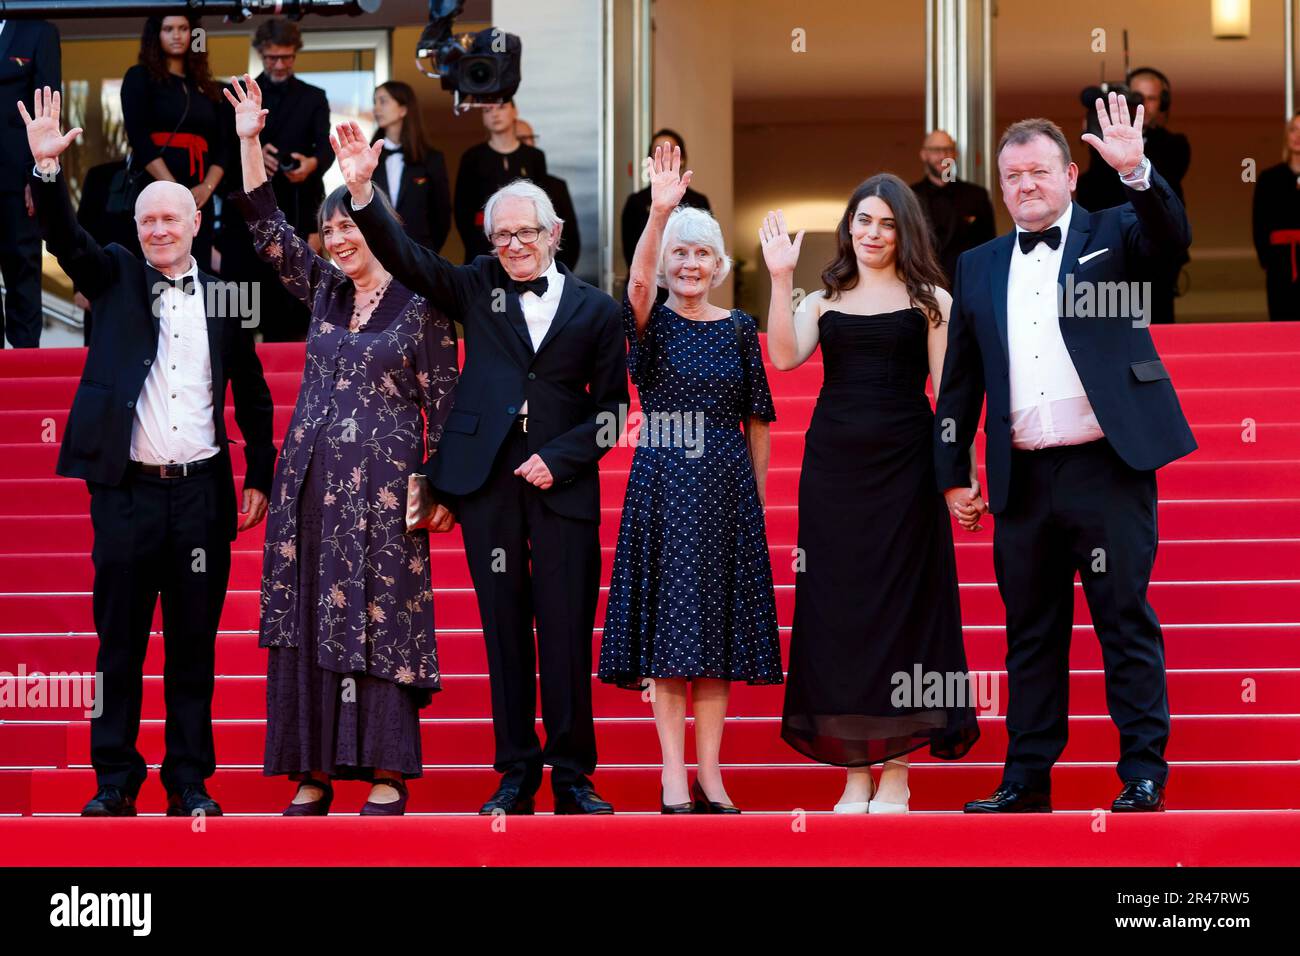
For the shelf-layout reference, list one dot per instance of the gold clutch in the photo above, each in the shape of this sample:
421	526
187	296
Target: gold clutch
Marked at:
419	501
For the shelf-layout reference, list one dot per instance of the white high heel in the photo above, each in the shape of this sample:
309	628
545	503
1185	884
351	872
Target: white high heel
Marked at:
878	806
857	806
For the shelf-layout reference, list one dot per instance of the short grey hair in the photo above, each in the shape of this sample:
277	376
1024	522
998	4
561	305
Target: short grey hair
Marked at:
523	189
699	228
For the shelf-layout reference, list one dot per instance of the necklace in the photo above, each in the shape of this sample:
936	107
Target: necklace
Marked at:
357	323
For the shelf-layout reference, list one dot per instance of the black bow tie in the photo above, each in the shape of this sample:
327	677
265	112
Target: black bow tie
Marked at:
1050	236
184	284
386	152
536	286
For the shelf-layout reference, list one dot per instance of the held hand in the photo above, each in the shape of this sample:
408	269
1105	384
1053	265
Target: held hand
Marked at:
534	470
442	520
667	184
306	166
250	117
270	159
357	160
254	507
1121	142
966	506
43	135
780	254
201	194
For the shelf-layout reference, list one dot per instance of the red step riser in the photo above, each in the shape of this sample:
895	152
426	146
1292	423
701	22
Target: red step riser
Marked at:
635	742
1175	561
1190	692
776	789
462	652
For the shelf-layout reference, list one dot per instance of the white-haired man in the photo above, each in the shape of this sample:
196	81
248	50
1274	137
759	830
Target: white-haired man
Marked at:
545	365
147	433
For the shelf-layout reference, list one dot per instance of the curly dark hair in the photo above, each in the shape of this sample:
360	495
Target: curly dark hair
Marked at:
916	262
153	59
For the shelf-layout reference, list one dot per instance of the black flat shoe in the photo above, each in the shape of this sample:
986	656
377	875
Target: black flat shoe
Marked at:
191	799
704	805
395	809
674	807
312	808
580	797
1140	796
109	801
508	800
1013	798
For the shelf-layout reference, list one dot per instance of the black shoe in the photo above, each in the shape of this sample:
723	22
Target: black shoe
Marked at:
580	797
510	800
674	807
704	805
1013	798
190	799
1140	796
395	809
109	801
319	807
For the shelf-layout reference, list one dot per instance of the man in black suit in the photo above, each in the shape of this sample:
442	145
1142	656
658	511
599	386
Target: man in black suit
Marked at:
147	433
1081	413
29	60
544	380
959	213
296	152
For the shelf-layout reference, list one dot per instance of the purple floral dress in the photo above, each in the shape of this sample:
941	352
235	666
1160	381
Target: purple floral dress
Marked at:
360	425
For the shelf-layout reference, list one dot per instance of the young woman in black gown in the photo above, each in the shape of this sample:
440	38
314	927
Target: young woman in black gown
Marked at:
877	594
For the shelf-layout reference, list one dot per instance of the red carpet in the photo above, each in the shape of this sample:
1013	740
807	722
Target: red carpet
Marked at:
1226	586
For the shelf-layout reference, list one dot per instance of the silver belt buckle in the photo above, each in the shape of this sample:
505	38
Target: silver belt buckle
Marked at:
524	419
175	471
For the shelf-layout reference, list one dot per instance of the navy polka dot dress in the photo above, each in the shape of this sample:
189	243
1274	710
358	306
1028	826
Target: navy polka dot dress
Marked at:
691	590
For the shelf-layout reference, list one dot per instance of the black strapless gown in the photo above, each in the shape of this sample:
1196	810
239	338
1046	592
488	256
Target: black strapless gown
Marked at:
877	597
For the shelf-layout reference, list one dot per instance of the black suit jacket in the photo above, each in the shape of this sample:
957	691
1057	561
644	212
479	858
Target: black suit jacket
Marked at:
1122	374
29	58
123	344
574	382
424	199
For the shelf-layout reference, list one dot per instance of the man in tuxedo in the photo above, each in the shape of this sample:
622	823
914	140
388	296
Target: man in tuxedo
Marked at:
296	153
545	369
147	433
1080	414
29	60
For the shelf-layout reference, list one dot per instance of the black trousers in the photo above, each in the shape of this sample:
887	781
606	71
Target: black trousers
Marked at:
157	537
1081	509
20	263
528	562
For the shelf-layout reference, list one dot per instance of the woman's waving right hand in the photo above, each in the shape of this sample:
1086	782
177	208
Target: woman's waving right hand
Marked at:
780	254
250	117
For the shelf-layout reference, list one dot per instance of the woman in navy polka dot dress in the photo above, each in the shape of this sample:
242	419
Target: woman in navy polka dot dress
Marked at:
690	597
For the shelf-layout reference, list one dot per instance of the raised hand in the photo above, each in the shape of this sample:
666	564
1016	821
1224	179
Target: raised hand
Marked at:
1120	144
358	160
780	254
43	135
250	117
667	187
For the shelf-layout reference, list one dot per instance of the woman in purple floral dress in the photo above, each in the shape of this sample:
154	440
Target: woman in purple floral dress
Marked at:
346	605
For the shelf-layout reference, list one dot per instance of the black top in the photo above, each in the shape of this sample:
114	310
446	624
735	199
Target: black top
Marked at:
482	172
423	199
29	59
152	110
570	239
960	216
636	213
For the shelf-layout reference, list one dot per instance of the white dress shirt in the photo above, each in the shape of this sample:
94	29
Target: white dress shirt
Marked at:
539	311
173	415
393	166
1049	406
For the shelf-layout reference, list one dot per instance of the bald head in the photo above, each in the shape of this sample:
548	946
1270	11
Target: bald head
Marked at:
939	154
524	131
166	221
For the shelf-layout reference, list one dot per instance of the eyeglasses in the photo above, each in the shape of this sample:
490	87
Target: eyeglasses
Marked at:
279	57
526	236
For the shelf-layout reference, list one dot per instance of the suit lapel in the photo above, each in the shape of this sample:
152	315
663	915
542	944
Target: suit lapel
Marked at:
515	316
998	277
569	300
7	38
1075	239
215	328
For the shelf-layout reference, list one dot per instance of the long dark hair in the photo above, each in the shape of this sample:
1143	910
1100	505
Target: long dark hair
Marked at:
414	145
916	263
153	59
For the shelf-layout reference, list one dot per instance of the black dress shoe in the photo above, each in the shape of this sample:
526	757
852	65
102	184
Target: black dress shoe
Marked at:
395	809
580	797
704	805
1013	798
313	808
1140	796
508	800
109	801
191	799
687	807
